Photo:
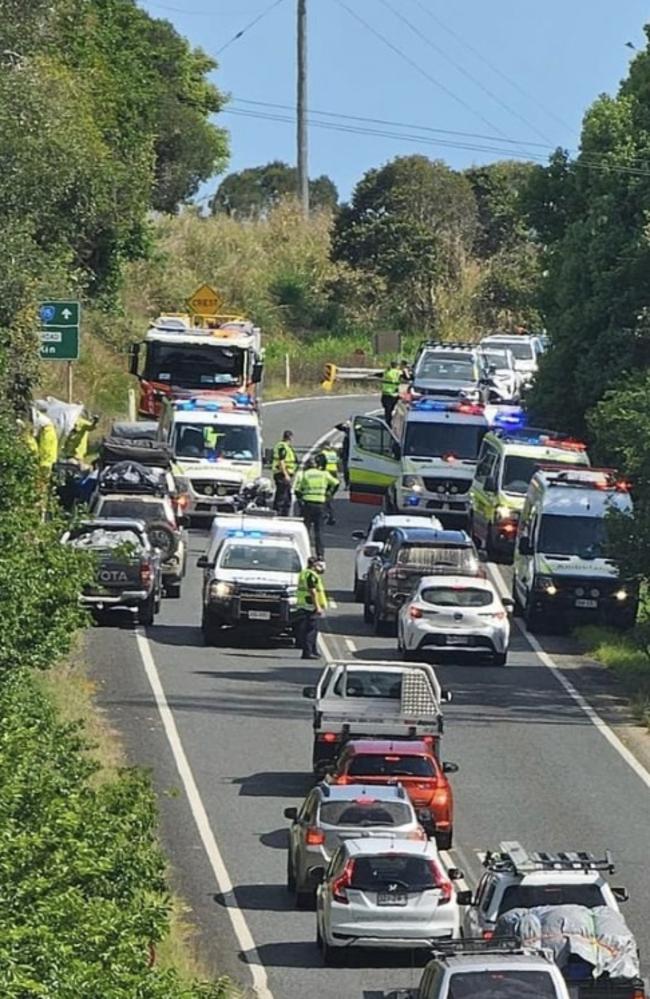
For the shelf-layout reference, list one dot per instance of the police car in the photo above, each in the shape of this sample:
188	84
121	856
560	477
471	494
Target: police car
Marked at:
425	463
562	569
506	463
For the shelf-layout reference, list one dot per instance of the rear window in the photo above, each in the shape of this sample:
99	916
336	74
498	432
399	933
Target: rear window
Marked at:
368	684
365	813
133	510
392	871
527	896
429	559
390	765
502	984
456	596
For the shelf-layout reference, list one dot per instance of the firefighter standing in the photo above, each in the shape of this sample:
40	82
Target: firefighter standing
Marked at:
312	490
284	469
311	603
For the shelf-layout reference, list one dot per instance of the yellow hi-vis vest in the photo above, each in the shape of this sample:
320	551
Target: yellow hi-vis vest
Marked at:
332	459
390	382
314	484
290	460
309	580
48	447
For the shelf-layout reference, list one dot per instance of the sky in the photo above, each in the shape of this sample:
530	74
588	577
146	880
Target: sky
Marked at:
514	76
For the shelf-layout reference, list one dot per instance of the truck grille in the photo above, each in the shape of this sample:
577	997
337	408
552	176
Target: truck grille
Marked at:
208	487
452	487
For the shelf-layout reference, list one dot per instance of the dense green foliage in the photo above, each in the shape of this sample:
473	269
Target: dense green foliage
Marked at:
252	193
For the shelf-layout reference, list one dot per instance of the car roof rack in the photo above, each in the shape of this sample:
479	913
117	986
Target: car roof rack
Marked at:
584	477
480	945
514	859
450	344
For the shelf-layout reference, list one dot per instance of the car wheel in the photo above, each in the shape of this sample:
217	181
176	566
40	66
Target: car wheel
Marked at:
358	589
444	840
147	611
291	878
499	659
381	626
173	591
533	619
367	609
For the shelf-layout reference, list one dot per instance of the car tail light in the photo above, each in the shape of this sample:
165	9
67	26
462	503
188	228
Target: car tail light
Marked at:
415	612
339	885
498	615
327	737
441	882
487	934
418	833
146	574
639	993
314	837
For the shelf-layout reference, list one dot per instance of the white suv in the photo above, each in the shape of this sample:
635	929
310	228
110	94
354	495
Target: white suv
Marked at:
516	879
387	893
372	541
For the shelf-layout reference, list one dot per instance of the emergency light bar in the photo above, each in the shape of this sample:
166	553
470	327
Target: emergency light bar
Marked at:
427	405
241	402
584	477
541	438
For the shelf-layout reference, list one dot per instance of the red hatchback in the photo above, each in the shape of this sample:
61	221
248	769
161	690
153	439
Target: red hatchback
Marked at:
412	764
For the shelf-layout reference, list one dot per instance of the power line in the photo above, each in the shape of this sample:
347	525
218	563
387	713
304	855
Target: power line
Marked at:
198	13
461	69
251	24
369	27
495	69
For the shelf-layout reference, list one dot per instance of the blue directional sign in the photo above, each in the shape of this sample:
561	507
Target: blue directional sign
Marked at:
59	332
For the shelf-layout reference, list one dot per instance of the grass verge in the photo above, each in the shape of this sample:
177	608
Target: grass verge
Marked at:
627	655
72	692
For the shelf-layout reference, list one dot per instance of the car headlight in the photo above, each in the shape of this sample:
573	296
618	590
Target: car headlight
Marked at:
413	482
621	595
220	590
546	585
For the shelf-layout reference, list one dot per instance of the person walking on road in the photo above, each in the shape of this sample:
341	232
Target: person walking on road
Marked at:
311	603
331	457
312	489
390	382
284	469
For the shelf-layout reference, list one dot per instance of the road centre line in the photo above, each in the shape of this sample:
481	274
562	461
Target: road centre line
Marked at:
350	645
599	723
213	853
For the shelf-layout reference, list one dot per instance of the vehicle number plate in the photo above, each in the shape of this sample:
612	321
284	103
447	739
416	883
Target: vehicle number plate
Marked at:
457	640
586	603
391	898
259	615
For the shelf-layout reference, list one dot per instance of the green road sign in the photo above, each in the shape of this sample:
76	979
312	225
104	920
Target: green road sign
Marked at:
59	331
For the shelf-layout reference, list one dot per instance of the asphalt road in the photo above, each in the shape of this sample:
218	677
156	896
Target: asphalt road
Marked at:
533	766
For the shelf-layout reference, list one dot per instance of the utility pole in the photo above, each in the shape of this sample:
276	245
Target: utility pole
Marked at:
303	166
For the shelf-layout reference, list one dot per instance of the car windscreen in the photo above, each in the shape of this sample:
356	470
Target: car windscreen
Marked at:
214	442
445	369
500	359
435	440
366	683
519	470
365	812
521	350
266	558
564	535
502	984
525	896
393	871
390	765
438	559
193	366
133	509
456	596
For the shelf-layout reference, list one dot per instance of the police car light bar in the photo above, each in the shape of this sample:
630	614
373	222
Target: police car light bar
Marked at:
427	405
241	402
536	436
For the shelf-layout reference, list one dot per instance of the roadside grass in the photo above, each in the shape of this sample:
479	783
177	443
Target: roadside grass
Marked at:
627	655
72	692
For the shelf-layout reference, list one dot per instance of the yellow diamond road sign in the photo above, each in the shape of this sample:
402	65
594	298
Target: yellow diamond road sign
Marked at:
205	301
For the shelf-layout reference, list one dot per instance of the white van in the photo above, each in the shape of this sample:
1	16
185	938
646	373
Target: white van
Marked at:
561	569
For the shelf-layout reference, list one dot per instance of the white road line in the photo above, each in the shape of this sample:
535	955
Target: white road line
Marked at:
350	645
222	877
599	723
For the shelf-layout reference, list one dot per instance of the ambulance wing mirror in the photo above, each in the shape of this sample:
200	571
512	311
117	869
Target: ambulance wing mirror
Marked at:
257	372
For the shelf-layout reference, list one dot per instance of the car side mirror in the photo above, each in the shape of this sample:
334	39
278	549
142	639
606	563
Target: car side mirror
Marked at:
455	874
291	813
508	603
524	546
257	372
134	358
309	693
621	894
372	549
450	768
202	562
490	484
464	898
358	535
446	696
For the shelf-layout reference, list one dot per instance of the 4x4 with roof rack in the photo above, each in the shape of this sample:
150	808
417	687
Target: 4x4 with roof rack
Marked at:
494	969
451	370
515	878
507	461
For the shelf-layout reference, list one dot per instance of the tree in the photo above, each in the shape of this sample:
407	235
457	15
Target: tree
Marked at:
411	223
498	189
252	193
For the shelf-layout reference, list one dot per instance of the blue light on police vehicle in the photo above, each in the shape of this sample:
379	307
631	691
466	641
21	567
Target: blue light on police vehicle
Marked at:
412	500
430	406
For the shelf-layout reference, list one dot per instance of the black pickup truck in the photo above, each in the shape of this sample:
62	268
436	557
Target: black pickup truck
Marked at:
128	567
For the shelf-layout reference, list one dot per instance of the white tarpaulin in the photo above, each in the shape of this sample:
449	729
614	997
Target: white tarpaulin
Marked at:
599	936
63	415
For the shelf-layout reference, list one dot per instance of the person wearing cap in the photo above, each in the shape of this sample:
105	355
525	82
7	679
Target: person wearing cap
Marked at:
311	604
312	489
331	457
284	468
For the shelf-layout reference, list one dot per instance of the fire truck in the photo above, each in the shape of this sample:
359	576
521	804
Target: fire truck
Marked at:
182	356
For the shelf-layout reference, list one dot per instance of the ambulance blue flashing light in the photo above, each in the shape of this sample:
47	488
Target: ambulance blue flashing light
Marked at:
244	534
511	421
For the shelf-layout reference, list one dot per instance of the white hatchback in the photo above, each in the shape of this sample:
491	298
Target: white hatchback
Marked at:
372	541
387	893
455	614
